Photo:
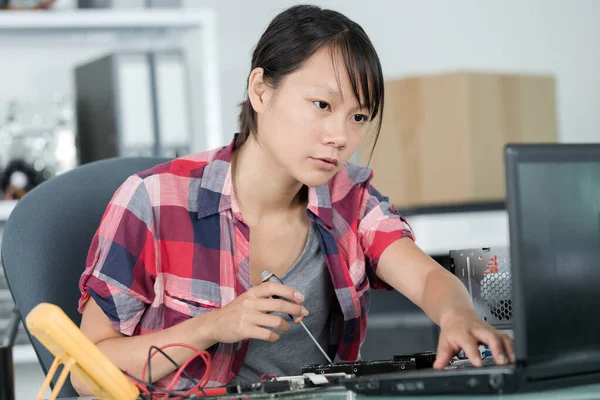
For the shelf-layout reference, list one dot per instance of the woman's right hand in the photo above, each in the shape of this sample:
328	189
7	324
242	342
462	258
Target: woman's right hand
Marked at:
248	316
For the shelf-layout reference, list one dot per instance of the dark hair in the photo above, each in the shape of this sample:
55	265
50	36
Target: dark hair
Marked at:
299	32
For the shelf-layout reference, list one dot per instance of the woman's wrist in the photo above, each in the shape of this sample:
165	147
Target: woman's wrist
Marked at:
450	313
204	332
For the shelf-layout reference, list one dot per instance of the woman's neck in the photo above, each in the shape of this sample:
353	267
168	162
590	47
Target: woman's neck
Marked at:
262	187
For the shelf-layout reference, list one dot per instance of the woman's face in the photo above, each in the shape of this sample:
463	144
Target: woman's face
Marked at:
312	123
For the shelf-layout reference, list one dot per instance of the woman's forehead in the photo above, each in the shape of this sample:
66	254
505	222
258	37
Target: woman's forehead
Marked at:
326	71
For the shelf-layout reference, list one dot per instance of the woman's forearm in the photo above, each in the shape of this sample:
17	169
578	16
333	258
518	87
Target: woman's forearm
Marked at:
444	294
415	274
130	353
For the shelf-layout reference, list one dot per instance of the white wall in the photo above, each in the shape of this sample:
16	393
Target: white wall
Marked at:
412	37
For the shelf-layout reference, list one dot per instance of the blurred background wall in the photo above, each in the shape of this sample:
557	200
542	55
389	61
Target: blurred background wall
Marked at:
415	37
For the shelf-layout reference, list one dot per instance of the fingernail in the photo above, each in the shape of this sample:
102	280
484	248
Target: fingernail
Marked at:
304	311
299	296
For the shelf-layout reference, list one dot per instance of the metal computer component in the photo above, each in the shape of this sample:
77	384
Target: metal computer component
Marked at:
486	274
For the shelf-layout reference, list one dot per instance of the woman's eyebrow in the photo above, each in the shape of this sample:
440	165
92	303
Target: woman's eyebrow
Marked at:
329	89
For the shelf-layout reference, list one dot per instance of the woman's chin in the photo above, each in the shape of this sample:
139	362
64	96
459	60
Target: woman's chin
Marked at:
316	178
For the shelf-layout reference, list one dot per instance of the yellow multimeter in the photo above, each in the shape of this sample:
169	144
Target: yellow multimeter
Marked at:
70	347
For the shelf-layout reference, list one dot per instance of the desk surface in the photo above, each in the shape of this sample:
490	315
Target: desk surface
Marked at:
574	393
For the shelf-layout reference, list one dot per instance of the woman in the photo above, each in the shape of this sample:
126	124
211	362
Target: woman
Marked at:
179	253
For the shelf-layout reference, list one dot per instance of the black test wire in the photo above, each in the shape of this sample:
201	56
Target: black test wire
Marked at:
150	384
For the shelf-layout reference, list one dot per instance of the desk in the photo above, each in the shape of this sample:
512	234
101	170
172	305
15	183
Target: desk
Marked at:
587	392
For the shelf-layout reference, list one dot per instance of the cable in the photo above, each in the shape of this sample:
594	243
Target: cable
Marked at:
181	369
205	377
148	387
267	377
149	370
144	384
172	362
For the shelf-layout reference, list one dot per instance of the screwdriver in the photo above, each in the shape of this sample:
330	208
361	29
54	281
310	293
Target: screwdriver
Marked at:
268	276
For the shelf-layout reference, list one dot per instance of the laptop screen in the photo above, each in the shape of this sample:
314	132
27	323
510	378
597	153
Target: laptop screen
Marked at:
553	194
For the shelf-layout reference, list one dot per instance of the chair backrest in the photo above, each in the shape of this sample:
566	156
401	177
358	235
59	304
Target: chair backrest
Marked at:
48	234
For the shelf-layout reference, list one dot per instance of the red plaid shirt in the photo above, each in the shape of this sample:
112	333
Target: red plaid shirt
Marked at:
172	245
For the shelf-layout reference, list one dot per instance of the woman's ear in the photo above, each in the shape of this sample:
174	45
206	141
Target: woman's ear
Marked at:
259	92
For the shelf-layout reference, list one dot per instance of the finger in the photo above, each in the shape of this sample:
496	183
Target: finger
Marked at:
445	351
444	354
509	346
257	332
282	306
269	289
494	342
270	321
471	348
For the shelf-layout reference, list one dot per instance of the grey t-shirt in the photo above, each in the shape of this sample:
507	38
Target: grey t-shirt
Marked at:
310	276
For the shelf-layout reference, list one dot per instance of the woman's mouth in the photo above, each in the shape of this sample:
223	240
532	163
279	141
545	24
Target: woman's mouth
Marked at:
326	163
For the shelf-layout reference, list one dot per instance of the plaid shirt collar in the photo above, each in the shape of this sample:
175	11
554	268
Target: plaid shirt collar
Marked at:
216	191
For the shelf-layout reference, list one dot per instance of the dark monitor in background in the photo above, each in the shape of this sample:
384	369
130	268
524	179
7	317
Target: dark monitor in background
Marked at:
553	201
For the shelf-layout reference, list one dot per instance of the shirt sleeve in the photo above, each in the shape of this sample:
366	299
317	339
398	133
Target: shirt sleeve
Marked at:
380	225
121	266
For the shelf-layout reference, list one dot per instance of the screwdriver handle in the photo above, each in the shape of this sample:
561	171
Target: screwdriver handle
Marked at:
268	276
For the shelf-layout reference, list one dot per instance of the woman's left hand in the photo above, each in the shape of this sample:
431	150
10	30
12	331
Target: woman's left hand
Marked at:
462	329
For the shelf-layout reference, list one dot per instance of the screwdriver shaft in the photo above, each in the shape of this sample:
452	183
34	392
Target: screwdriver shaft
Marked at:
267	276
316	343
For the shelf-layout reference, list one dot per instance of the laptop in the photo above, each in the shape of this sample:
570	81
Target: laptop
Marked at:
553	203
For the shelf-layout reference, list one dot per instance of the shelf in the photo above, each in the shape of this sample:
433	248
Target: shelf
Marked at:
453	208
102	19
6	207
437	234
24	354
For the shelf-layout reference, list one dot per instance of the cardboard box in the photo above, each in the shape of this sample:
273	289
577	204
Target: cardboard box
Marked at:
442	136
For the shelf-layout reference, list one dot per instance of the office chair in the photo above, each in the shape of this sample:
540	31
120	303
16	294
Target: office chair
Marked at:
48	234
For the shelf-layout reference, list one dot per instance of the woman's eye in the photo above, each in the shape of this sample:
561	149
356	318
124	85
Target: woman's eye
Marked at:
360	118
322	104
